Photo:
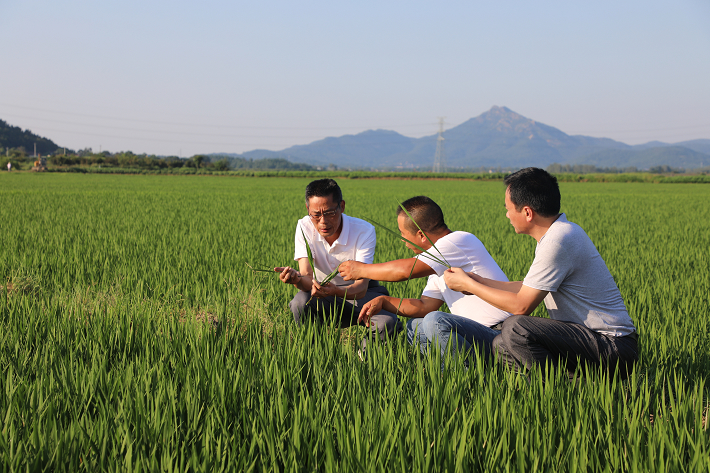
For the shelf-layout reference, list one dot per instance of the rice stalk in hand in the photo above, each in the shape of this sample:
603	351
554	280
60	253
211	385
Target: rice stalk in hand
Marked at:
260	268
330	277
310	255
429	255
425	235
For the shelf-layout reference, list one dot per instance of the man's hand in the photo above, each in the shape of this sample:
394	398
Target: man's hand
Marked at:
370	309
458	280
288	275
324	290
350	270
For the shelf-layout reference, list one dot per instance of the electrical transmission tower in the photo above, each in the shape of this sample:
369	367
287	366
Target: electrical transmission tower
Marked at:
439	158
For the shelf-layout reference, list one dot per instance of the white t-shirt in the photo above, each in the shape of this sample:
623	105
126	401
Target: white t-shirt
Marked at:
463	250
581	288
356	242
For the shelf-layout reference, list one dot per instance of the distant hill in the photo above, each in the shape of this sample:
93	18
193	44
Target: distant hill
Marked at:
14	137
644	158
365	149
498	137
238	162
700	146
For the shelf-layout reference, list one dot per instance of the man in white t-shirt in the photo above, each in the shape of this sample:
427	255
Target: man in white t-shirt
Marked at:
333	238
589	324
471	319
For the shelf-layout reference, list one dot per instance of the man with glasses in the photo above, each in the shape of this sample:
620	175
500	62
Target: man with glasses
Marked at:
333	238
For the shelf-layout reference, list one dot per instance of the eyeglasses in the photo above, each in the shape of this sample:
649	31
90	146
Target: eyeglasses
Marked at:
328	214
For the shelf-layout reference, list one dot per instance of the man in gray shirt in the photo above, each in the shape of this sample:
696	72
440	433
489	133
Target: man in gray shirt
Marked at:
588	319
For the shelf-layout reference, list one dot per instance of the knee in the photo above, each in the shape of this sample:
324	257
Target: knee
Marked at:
382	323
436	327
434	322
514	332
299	306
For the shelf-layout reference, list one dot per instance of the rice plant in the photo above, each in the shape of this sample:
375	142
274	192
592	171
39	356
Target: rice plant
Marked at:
133	336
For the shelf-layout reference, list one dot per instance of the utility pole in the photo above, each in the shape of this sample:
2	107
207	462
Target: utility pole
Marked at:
35	151
439	158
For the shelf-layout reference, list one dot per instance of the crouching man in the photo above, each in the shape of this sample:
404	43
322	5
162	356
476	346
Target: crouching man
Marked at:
333	238
472	322
588	321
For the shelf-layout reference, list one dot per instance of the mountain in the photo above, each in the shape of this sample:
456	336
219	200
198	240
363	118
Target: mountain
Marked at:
366	149
14	137
498	137
700	146
644	158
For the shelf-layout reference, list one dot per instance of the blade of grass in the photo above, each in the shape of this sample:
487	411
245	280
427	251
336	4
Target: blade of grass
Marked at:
438	260
259	268
424	233
310	255
330	277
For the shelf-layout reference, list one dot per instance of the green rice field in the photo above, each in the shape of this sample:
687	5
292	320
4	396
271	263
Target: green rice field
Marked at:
133	337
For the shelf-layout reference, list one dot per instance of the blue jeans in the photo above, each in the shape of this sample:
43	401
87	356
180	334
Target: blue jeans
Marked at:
440	328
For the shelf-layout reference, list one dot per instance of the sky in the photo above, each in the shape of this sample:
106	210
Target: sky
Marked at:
182	77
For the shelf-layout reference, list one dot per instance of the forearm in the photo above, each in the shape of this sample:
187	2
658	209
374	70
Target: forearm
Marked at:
395	271
354	291
509	286
304	283
503	298
412	308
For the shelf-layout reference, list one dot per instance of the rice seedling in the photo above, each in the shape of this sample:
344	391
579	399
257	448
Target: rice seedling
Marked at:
109	361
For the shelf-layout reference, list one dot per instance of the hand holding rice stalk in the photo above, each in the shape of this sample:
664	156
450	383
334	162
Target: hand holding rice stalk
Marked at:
311	261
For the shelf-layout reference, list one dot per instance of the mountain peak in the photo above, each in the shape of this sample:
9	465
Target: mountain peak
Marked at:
497	113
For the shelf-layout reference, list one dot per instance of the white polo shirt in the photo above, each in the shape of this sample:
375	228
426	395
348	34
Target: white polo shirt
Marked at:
463	250
356	242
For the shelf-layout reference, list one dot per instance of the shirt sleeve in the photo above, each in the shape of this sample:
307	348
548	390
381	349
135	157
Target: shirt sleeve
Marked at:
300	244
365	251
444	251
432	289
549	268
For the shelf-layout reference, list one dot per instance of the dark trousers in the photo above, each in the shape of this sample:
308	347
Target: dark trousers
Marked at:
346	313
527	341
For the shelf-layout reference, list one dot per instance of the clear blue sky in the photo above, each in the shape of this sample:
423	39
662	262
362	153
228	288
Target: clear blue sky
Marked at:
179	78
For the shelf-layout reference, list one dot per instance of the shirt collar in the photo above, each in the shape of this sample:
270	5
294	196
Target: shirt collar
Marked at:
343	237
561	218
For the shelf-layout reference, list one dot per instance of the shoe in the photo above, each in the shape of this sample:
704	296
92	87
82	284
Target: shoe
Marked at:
362	352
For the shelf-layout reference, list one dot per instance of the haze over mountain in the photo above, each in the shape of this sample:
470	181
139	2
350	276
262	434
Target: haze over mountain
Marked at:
498	137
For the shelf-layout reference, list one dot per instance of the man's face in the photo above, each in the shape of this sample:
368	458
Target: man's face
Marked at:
326	215
406	233
517	218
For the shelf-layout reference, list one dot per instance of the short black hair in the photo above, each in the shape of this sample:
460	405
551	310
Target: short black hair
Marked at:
425	212
534	188
324	188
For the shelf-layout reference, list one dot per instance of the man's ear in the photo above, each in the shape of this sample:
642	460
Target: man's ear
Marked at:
529	213
342	206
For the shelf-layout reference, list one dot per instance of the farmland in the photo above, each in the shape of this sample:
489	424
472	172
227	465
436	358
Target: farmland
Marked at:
133	336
